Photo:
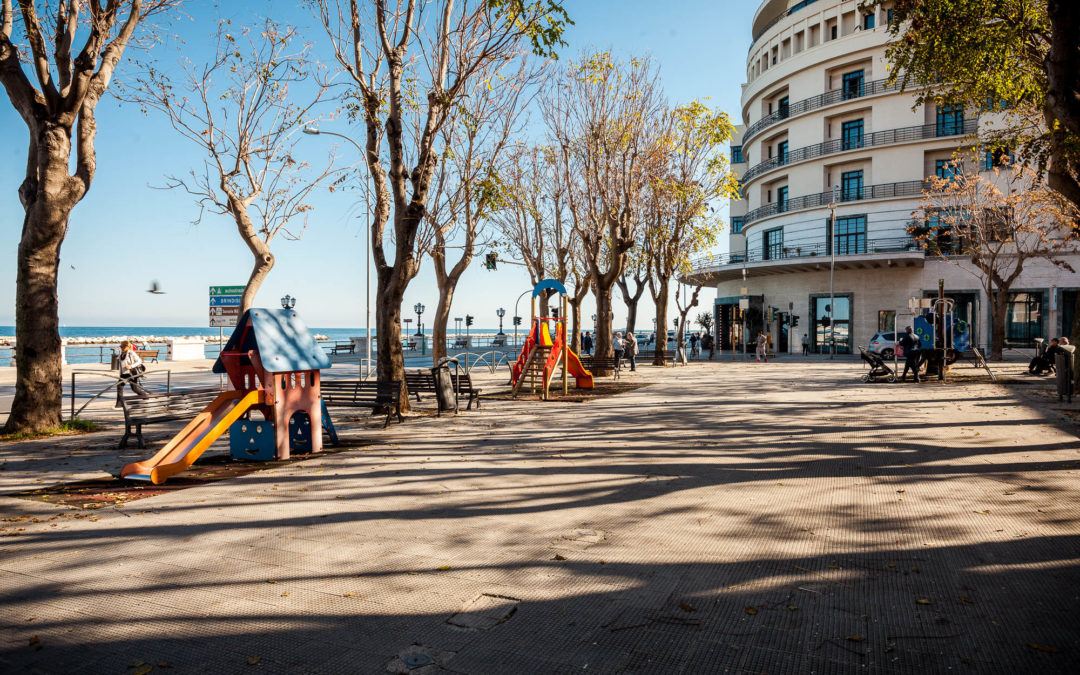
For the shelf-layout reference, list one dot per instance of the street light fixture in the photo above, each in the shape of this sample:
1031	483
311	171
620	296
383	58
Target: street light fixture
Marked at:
312	130
419	309
288	302
500	312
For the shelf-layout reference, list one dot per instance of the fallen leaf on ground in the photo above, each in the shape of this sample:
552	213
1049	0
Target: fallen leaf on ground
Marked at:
559	557
793	607
923	601
253	660
271	581
143	671
855	638
444	568
348	595
750	610
985	513
967	599
687	607
285	594
1044	648
35	642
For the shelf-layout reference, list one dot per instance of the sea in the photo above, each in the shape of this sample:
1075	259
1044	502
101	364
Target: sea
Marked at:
154	337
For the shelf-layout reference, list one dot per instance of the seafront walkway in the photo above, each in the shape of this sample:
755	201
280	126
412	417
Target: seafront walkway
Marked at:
723	517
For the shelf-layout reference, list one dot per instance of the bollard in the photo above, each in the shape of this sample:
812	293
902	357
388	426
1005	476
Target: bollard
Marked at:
1063	367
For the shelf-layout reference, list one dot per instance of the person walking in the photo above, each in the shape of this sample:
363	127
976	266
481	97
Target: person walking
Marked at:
586	343
630	349
617	346
131	370
762	341
912	353
695	348
806	344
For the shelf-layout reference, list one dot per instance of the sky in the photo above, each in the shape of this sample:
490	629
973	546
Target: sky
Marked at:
127	232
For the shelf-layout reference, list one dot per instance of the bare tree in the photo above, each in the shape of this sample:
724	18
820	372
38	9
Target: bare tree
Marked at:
635	275
993	226
240	110
410	62
690	171
59	103
600	116
467	183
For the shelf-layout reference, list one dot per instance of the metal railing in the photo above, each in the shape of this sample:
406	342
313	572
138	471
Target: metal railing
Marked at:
909	188
816	102
872	140
766	27
812	250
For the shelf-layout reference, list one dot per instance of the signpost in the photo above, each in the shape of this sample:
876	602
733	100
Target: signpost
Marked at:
225	305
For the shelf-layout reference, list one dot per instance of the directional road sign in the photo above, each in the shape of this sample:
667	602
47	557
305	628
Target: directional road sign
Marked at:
225	305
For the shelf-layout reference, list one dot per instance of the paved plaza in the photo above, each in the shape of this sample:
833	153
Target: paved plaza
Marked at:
725	517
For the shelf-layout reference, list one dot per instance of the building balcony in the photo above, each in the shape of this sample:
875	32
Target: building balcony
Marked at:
867	254
911	188
829	98
876	139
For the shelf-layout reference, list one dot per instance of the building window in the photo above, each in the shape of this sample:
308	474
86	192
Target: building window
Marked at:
852	134
851	186
1023	319
832	32
737	224
945	169
889	15
886	321
781	199
774	244
868	21
832	320
853	84
950	120
783	107
781	153
736	154
850	235
996	159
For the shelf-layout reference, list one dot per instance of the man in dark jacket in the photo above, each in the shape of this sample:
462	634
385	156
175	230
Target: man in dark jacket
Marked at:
912	353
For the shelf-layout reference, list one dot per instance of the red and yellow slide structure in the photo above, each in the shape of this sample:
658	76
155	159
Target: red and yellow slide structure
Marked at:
542	351
188	445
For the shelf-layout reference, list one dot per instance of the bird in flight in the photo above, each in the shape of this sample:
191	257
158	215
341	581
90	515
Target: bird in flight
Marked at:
155	288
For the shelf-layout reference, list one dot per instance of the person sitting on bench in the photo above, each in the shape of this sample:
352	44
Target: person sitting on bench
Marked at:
1045	363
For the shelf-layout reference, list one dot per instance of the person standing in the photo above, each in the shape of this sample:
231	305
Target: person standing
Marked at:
708	344
762	341
131	370
806	344
630	349
617	346
694	348
586	343
912	353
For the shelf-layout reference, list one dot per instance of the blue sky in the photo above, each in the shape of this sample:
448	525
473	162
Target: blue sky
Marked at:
125	233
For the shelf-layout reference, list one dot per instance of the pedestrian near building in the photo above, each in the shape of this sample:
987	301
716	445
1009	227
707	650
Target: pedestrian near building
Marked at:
617	346
911	346
806	344
762	341
630	350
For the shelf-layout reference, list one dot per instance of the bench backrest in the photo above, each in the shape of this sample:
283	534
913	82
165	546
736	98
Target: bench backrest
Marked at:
173	403
361	392
419	380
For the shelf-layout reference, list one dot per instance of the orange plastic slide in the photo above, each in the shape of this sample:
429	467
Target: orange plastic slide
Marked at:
188	445
573	365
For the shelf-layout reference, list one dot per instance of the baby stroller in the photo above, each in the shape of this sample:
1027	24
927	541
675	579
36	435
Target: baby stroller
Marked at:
878	367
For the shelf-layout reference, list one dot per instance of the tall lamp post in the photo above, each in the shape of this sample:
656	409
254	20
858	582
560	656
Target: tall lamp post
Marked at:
419	309
288	302
500	312
832	270
312	130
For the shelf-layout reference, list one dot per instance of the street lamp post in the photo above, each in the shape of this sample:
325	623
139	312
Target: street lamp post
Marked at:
500	312
288	302
419	309
315	131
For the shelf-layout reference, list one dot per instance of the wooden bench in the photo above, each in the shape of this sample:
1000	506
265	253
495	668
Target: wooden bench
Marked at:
361	394
148	354
593	363
498	341
669	355
461	343
154	408
423	381
343	348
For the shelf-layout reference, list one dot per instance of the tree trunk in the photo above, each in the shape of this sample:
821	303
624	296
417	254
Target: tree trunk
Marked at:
442	316
998	306
390	363
575	315
604	335
264	262
48	194
661	300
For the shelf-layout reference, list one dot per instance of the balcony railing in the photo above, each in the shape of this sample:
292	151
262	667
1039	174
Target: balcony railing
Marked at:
766	27
876	139
801	251
815	102
909	188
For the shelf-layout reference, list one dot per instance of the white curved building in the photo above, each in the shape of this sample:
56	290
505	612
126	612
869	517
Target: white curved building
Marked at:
817	113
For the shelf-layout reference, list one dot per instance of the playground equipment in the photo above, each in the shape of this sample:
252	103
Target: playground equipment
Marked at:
545	352
273	364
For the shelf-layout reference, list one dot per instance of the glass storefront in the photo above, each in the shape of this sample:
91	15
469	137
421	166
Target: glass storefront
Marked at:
840	327
1024	320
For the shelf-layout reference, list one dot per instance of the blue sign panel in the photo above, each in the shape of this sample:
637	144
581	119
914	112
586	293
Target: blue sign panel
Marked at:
225	301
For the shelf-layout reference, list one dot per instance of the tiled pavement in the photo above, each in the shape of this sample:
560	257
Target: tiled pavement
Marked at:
727	518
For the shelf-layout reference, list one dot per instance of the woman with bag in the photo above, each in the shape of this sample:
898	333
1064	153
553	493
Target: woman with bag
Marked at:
131	369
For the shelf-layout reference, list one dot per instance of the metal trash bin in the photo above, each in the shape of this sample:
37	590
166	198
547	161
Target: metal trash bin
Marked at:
445	391
114	361
1063	367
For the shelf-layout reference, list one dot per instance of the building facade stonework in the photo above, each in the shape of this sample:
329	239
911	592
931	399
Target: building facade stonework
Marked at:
821	125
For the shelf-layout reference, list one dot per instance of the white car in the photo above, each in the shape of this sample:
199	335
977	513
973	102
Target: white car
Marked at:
883	344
